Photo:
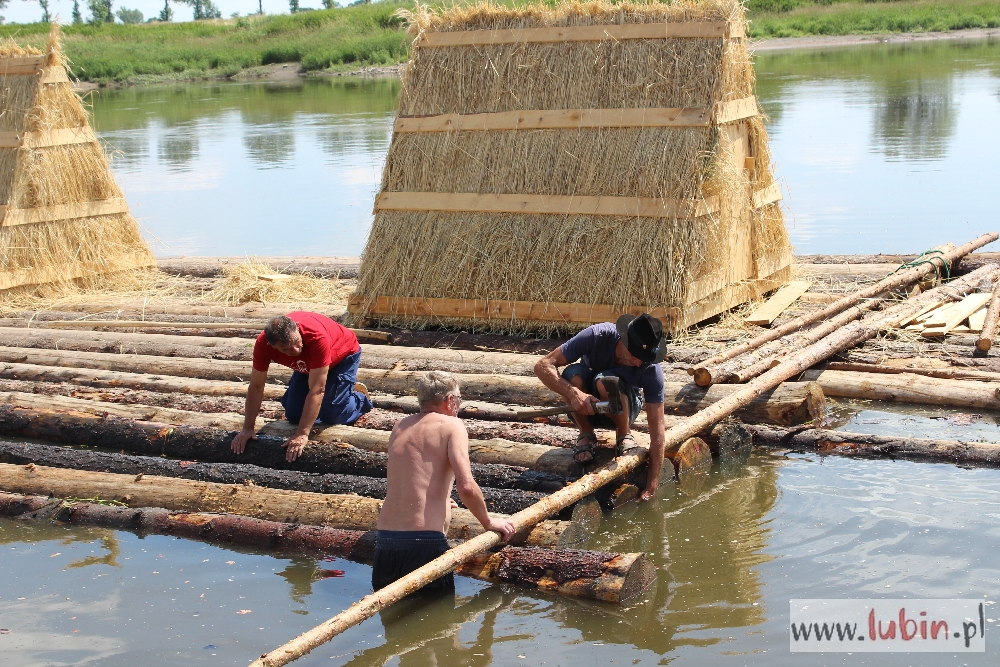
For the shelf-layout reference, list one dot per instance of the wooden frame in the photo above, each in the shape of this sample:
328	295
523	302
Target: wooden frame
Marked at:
55	74
583	33
21	65
9	279
60	137
733	110
29	216
768	195
465	202
557	119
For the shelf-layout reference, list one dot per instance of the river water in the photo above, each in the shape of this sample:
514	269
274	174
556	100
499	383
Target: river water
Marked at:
876	145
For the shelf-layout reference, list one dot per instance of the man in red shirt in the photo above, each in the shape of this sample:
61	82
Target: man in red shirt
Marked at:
325	357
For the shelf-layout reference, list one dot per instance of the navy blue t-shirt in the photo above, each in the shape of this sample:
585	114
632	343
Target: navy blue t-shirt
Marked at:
595	347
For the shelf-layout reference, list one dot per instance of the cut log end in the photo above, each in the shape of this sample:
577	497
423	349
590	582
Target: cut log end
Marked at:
641	575
692	454
984	344
702	377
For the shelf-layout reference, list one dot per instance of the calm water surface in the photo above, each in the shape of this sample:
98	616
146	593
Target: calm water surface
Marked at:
885	148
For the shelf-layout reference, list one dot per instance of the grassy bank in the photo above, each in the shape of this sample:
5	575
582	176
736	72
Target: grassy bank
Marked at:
352	37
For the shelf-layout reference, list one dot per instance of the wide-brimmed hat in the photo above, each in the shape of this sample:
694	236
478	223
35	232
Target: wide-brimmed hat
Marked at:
643	337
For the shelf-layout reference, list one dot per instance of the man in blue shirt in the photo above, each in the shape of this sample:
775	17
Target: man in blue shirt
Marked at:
631	350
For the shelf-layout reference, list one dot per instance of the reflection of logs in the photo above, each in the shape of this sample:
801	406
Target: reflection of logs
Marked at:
336	511
878	446
593	574
210	444
506	501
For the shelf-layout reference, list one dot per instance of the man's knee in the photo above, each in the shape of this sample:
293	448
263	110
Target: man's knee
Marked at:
576	381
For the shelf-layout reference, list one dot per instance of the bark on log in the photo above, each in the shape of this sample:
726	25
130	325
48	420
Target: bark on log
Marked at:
892	282
505	501
788	403
907	388
210	444
336	511
985	341
590	574
362	334
943	373
879	446
556	460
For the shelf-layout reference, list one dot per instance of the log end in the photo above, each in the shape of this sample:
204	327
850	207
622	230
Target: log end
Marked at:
702	377
815	401
575	536
625	493
730	437
587	512
984	344
693	453
640	576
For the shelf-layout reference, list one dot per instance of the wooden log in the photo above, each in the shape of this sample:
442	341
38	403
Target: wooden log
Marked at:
755	362
362	334
878	446
337	511
150	307
892	282
620	467
556	460
985	341
788	403
211	444
504	501
590	574
944	373
907	388
694	453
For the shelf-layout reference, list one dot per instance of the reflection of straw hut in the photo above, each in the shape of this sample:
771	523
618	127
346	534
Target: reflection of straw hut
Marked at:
561	166
63	215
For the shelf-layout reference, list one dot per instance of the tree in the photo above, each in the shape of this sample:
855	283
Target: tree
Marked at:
204	9
44	4
77	14
166	14
330	4
129	16
101	11
293	6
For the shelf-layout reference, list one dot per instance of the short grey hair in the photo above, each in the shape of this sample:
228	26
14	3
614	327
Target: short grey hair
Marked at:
436	386
280	329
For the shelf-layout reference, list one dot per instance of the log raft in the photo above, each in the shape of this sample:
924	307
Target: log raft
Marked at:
908	388
336	511
609	577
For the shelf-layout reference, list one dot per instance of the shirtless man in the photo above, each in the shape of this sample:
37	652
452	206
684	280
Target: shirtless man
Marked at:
428	452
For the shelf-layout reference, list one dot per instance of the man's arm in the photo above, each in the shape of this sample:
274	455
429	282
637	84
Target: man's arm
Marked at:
468	490
654	415
255	394
547	370
310	411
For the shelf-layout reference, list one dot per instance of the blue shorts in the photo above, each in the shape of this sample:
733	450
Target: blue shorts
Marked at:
589	377
341	404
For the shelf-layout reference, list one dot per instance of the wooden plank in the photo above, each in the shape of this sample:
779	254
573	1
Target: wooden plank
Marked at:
583	33
555	119
30	216
939	317
768	195
959	314
976	320
56	74
749	164
729	297
776	305
21	65
727	112
921	314
273	277
464	202
59	137
771	262
573	313
705	286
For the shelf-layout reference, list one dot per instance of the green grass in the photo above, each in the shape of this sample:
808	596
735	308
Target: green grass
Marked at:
352	37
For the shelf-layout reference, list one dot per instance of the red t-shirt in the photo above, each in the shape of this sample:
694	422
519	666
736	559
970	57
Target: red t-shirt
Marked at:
324	343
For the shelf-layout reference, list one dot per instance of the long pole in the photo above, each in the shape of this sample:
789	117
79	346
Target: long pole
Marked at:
892	282
985	341
437	568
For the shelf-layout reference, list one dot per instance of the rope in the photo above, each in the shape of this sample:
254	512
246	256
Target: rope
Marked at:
928	257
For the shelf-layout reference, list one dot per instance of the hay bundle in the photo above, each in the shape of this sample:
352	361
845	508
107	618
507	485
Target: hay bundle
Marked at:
666	263
256	281
64	219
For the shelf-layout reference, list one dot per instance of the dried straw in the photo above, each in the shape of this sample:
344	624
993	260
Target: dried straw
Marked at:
242	283
625	262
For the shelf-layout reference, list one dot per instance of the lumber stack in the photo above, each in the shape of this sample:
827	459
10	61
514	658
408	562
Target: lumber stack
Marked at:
939	319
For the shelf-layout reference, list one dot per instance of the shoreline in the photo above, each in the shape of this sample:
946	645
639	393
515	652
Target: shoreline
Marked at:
828	41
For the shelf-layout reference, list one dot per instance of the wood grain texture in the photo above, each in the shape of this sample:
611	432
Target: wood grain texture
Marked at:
583	33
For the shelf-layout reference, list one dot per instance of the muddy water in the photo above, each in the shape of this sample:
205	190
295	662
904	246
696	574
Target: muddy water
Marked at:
885	148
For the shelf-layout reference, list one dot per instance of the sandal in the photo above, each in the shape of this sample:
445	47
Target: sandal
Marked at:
583	452
625	443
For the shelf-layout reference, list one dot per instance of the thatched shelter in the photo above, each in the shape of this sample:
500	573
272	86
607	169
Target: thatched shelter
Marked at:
64	218
554	167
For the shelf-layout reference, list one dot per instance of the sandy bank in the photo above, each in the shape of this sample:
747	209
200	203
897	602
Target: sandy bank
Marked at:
825	41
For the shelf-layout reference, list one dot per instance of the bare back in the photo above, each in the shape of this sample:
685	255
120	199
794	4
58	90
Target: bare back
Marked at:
420	473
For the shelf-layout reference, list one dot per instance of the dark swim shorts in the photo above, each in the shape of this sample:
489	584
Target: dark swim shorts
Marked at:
399	552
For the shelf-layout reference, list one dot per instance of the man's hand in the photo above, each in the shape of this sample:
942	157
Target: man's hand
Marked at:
240	441
294	447
582	402
650	489
502	526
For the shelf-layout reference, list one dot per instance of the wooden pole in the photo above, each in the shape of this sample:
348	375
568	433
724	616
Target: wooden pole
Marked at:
985	341
908	388
892	282
619	467
367	334
945	373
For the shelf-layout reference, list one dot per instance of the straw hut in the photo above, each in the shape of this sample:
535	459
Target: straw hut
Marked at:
62	216
552	167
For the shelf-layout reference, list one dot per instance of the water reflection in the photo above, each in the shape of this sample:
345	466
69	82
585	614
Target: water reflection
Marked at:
915	120
271	148
177	149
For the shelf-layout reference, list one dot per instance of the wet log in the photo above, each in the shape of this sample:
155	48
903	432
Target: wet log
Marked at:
210	444
943	373
336	511
504	501
597	575
878	446
907	388
985	341
116	379
897	280
556	460
788	403
694	453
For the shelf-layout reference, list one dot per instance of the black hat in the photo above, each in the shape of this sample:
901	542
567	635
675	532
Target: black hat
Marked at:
643	337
